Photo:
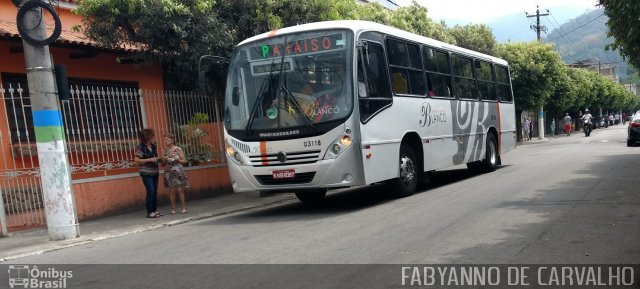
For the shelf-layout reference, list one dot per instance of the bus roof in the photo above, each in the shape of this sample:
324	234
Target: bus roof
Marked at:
361	26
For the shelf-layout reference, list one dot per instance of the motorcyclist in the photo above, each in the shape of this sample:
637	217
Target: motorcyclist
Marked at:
586	118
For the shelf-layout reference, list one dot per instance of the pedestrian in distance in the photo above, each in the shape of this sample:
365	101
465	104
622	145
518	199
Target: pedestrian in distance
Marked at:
610	119
530	130
567	123
175	178
553	127
146	156
525	128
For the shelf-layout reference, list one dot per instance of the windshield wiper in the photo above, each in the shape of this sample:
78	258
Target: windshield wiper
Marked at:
261	93
282	88
296	105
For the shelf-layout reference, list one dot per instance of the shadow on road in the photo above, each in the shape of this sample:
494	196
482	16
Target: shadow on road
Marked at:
341	201
592	217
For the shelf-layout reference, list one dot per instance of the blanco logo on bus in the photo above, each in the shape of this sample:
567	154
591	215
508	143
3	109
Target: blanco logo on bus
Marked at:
429	116
325	110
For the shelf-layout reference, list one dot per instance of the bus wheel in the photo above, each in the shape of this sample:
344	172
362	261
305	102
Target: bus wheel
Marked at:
311	197
490	162
406	184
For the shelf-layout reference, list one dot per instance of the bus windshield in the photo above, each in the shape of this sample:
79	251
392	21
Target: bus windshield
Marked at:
294	80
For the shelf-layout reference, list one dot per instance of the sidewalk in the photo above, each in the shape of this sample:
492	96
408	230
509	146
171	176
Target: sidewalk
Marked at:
35	242
549	137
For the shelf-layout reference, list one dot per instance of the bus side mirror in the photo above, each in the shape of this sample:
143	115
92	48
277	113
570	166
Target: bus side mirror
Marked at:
235	96
201	81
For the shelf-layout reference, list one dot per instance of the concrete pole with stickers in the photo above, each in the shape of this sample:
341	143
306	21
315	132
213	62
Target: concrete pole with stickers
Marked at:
59	203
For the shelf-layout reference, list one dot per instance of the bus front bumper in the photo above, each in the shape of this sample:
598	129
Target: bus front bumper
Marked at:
343	171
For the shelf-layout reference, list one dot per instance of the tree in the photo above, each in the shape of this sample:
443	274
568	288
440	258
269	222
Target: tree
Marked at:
413	18
478	37
623	27
535	68
173	33
374	12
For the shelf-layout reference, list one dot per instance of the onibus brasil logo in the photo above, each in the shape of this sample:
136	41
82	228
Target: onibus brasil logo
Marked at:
24	276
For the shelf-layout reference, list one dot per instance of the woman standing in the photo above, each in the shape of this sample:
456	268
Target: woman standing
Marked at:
147	158
174	175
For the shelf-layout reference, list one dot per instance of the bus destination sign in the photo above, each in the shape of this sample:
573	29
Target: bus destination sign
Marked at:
299	47
270	67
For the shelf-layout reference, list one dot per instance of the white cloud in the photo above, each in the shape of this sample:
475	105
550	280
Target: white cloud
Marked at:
481	10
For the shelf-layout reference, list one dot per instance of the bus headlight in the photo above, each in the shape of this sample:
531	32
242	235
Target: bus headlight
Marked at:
345	140
230	150
335	148
233	153
338	146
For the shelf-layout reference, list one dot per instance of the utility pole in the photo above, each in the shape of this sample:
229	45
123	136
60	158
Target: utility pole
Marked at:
538	28
59	203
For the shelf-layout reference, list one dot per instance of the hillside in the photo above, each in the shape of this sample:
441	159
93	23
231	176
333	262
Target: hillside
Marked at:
516	27
584	38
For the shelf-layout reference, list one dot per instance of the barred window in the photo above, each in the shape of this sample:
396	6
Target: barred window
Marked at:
97	110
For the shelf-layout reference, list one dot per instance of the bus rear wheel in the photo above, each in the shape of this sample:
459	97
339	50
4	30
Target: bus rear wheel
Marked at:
490	162
314	197
405	184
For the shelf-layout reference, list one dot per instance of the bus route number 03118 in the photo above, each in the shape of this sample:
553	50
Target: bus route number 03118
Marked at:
312	143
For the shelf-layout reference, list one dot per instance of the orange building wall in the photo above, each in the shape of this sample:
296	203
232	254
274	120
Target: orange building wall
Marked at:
8	11
97	199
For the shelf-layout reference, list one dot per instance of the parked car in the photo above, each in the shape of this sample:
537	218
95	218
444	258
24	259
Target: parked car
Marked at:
634	130
601	122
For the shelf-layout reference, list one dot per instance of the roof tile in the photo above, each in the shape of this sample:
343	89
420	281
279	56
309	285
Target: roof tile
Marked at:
9	29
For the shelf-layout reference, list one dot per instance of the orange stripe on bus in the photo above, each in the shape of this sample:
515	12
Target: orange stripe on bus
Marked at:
263	153
273	33
499	128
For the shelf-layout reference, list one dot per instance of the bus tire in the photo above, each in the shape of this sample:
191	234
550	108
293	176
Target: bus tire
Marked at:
405	185
490	162
474	166
314	197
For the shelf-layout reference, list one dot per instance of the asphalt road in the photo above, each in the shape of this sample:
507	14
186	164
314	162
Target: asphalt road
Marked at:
569	200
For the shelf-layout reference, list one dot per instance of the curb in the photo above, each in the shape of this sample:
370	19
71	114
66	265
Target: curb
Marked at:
202	216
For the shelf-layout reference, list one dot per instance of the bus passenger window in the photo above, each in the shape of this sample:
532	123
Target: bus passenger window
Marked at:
376	83
399	82
438	72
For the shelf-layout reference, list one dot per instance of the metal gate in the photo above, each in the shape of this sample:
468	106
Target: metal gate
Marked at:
101	125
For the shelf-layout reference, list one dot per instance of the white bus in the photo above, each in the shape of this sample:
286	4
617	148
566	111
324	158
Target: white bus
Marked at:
349	103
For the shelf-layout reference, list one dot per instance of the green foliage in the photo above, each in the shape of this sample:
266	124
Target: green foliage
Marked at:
623	27
173	33
535	70
413	18
192	139
478	37
374	12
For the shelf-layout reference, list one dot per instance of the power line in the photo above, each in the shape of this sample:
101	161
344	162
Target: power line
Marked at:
565	36
394	3
578	27
537	27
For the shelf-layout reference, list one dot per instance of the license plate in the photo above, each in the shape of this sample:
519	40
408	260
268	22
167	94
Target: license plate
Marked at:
283	174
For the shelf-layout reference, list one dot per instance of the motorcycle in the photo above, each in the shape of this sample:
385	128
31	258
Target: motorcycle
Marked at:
587	128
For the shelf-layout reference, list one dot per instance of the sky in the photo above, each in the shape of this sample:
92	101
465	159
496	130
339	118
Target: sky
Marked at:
479	11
